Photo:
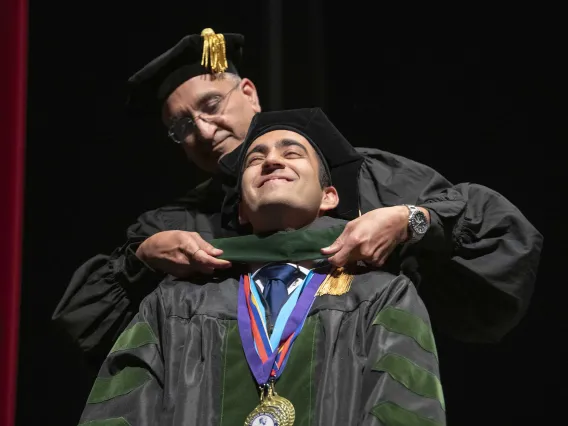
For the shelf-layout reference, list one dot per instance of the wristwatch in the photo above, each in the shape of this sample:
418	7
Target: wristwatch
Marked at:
417	223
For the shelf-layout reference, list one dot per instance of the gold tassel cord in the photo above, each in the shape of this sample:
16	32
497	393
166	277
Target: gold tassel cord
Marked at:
337	282
214	51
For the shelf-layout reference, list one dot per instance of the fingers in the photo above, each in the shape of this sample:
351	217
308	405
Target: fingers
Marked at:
208	248
199	261
354	247
341	248
341	257
381	255
203	259
390	248
198	267
193	242
378	258
202	255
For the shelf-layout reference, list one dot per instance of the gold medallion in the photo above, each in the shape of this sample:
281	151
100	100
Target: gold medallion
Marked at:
273	410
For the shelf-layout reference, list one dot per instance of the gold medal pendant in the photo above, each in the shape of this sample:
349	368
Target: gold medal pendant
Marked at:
273	410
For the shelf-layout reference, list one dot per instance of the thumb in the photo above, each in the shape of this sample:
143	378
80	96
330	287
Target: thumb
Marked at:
334	248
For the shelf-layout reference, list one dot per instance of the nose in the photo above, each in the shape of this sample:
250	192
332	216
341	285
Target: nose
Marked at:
205	129
273	160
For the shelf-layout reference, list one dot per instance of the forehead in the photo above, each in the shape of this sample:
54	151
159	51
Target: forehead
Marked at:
271	138
197	87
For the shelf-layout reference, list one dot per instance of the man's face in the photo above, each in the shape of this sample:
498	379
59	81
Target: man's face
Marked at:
221	108
281	174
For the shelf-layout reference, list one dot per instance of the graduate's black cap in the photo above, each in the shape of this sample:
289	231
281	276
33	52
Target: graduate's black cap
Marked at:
340	158
193	55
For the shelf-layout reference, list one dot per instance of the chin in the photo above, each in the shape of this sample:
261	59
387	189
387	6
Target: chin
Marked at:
280	215
275	200
284	209
228	146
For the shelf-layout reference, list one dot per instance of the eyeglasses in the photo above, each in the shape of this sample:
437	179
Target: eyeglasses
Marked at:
182	127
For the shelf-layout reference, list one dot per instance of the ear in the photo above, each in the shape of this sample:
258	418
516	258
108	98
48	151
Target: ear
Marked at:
330	199
249	90
243	219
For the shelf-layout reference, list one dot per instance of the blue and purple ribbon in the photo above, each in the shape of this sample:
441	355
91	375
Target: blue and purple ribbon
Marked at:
264	361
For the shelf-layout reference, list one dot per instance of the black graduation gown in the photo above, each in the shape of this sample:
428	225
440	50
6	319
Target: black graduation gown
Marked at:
476	266
367	357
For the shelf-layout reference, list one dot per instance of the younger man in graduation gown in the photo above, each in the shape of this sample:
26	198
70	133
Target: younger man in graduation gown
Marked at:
283	338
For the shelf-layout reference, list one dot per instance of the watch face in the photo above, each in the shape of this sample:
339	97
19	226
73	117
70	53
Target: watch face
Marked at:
419	222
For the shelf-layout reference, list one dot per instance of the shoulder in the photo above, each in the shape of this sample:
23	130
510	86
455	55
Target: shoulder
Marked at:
207	194
198	210
371	284
186	201
185	298
366	286
375	156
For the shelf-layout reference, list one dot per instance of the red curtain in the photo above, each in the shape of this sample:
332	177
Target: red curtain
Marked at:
13	73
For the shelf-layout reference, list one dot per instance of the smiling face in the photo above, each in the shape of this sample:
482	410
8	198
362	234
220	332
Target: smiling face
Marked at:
281	183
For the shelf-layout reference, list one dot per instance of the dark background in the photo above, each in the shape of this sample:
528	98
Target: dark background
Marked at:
482	108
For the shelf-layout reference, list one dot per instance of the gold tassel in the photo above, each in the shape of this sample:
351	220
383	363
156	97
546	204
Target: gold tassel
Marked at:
214	51
337	282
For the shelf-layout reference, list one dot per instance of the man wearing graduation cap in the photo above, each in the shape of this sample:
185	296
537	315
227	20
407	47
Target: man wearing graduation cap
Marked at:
282	338
473	253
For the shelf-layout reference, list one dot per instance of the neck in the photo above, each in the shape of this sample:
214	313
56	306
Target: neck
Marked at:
281	219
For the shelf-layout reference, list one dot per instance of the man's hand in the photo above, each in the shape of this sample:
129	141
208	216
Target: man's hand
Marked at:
180	254
371	237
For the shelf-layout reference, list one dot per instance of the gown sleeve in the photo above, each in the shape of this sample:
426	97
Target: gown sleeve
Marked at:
129	387
478	261
104	293
401	375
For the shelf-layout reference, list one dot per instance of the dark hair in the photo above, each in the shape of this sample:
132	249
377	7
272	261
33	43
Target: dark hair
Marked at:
324	178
